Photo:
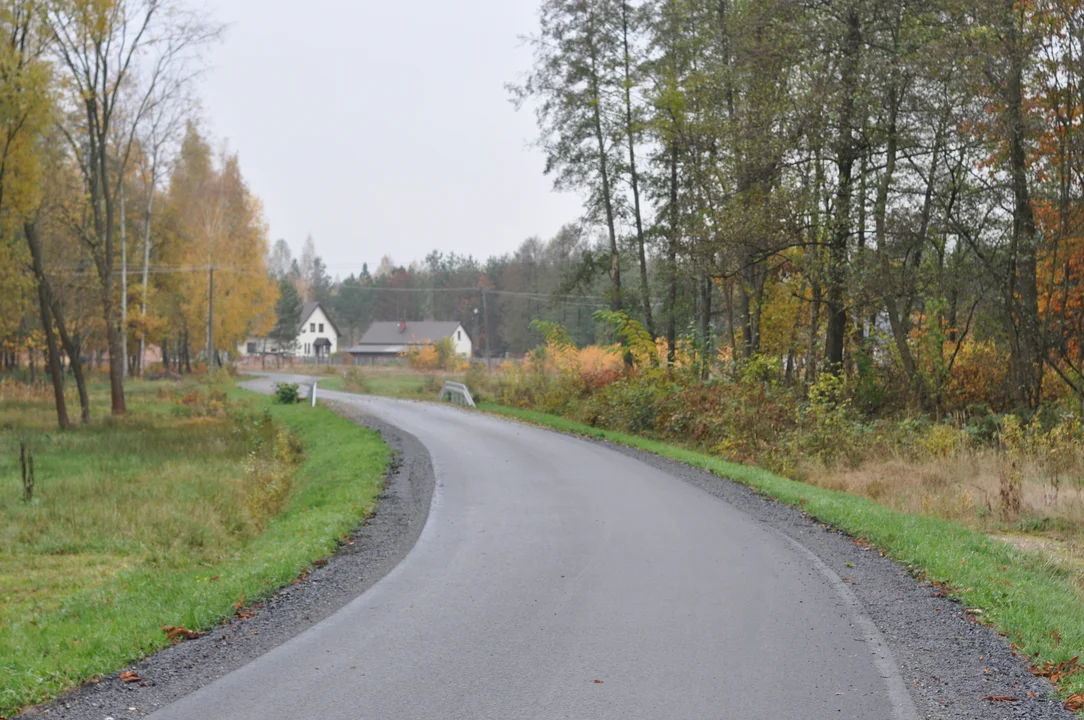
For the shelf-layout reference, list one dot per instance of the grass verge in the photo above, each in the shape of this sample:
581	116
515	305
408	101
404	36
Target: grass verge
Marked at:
1031	601
142	523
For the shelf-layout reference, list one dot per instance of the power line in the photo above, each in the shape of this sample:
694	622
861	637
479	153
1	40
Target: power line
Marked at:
583	300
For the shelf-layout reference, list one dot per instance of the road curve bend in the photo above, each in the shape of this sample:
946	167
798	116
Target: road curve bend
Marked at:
557	578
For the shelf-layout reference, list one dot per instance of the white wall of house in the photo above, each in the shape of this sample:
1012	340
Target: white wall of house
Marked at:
316	326
463	345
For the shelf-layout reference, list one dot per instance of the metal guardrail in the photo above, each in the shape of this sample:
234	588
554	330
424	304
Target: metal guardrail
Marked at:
457	393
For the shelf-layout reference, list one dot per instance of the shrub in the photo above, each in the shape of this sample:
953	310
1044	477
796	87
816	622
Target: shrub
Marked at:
422	357
631	404
827	430
355	381
199	404
477	381
287	393
978	377
944	440
440	355
272	453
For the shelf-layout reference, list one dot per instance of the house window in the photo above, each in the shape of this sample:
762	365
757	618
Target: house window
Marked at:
458	334
312	327
321	327
251	348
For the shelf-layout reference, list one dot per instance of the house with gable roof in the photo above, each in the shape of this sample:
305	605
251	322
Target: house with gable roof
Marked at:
317	338
386	341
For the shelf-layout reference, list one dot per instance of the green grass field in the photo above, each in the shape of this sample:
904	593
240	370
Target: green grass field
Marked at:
1036	604
150	521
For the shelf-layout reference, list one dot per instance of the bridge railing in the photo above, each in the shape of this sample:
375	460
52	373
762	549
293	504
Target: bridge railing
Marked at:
457	393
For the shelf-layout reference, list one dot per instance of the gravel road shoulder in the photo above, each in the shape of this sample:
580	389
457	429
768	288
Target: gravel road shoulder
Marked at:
373	550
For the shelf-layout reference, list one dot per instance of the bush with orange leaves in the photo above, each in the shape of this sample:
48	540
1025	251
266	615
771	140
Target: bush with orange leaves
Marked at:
423	357
556	375
434	356
600	366
980	376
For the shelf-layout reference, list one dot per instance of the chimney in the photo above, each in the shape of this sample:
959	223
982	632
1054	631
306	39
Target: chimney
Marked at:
402	326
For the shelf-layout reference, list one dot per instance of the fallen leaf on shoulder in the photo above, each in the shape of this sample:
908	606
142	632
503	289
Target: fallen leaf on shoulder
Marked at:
176	634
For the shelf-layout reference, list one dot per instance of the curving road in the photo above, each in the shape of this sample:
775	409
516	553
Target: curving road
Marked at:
556	578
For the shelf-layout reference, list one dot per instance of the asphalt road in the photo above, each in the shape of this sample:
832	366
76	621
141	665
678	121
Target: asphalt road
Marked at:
557	578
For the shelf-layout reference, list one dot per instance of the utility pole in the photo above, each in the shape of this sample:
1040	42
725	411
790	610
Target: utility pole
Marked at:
210	318
485	322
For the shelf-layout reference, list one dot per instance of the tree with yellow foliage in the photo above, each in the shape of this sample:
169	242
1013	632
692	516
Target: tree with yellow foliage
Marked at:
226	288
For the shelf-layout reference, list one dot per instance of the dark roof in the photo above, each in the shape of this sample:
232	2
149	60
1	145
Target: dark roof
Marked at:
322	342
308	309
389	333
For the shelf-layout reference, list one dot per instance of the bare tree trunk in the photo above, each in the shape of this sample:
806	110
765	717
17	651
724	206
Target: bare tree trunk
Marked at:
728	304
814	333
706	333
792	349
900	326
56	369
74	351
671	261
841	230
630	134
210	319
604	172
1022	292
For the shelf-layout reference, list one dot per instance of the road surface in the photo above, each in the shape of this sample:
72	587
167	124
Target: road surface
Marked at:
557	578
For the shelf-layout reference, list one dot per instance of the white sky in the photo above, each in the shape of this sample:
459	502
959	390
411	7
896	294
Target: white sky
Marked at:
383	126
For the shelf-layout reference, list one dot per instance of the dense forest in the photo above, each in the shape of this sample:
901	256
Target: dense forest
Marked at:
862	187
885	190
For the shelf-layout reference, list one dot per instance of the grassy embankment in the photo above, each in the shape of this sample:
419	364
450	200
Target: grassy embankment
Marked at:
170	516
1037	604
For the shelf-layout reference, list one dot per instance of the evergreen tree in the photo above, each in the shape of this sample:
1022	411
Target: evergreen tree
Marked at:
287	316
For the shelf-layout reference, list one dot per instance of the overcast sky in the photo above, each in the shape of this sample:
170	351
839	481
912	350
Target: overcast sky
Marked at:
383	127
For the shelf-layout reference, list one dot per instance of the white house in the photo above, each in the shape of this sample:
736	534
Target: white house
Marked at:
317	337
389	340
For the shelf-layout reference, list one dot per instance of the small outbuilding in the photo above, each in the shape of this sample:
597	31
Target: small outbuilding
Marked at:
386	341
